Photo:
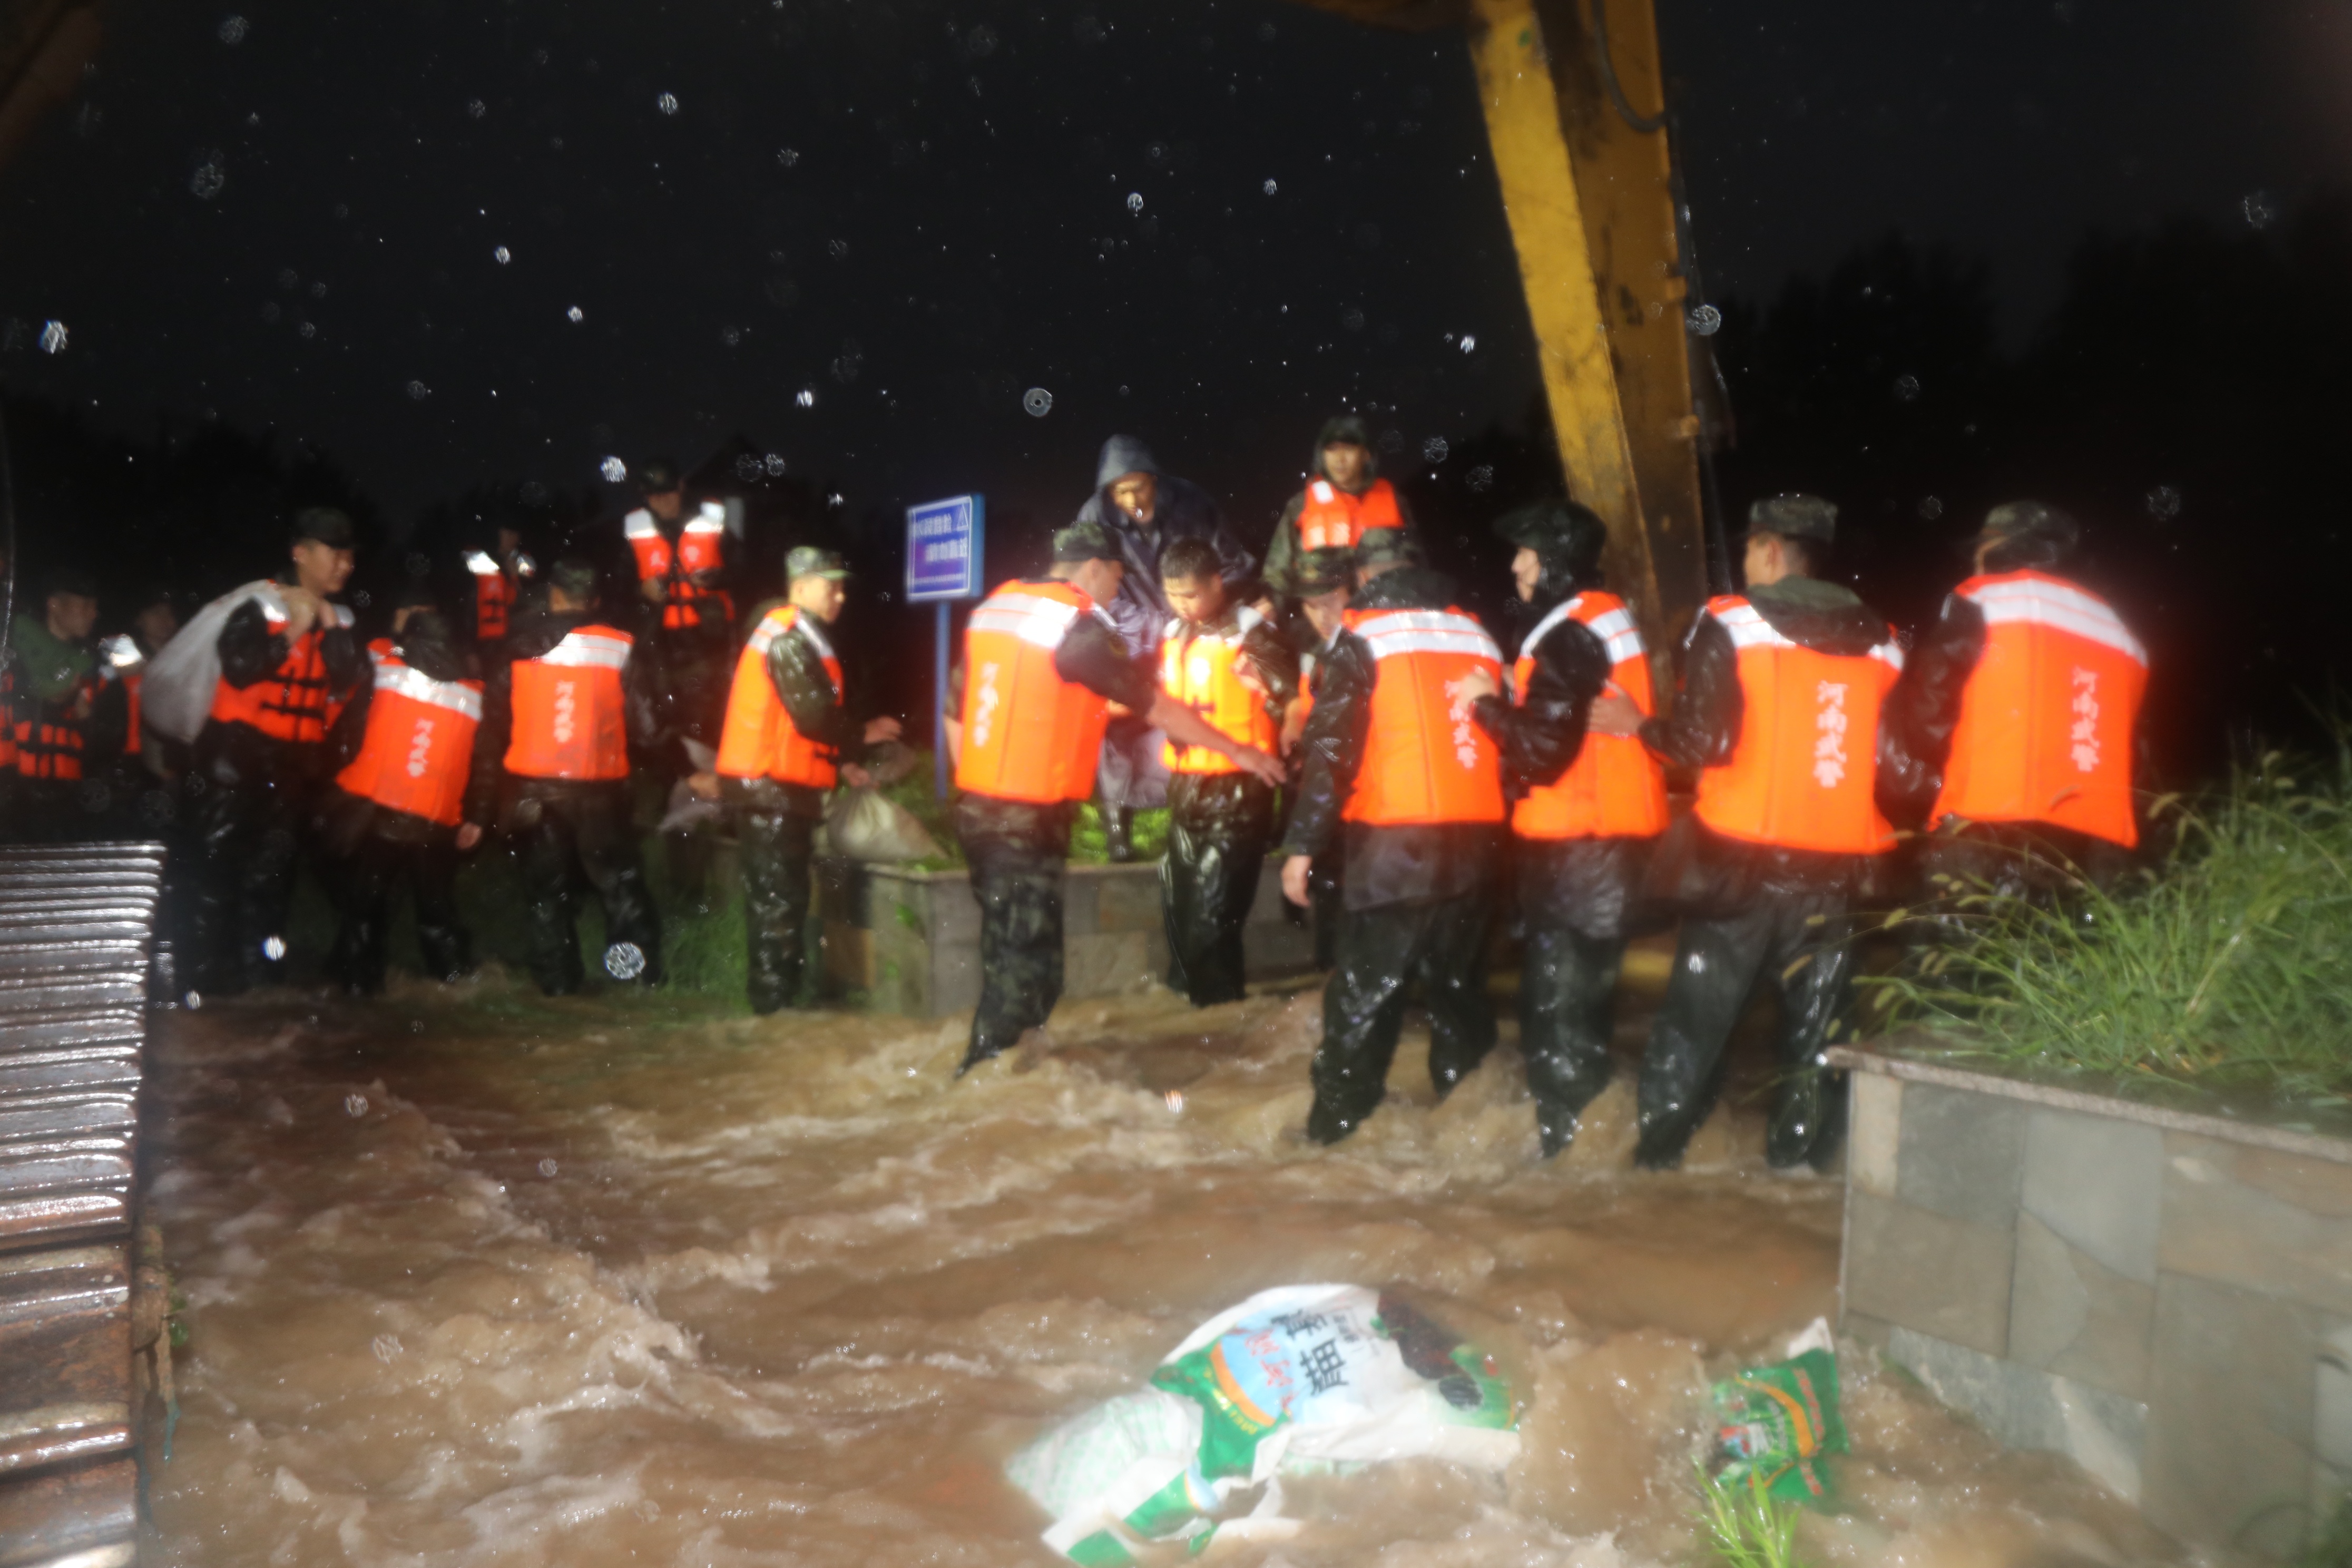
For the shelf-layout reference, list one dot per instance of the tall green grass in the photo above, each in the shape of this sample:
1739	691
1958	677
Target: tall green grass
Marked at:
2228	964
1743	1526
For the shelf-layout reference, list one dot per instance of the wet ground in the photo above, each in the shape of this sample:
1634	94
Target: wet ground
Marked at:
472	1277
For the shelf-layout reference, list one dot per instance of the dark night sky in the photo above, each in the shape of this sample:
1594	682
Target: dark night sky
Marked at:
290	215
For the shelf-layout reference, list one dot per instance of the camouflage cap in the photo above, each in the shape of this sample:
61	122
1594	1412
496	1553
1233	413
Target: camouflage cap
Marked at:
1795	516
808	561
1086	542
2017	522
1324	571
1387	547
330	526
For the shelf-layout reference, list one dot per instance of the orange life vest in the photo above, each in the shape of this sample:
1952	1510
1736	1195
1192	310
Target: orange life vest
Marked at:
291	702
419	745
47	739
1333	519
2045	727
569	711
1614	788
1425	760
1803	772
494	596
760	740
1201	669
1028	734
698	550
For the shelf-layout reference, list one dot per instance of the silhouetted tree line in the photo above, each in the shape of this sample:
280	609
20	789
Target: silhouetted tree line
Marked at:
2186	399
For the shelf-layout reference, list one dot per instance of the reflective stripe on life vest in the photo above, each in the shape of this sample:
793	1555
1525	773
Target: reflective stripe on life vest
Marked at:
700	549
760	740
569	709
419	745
291	702
1202	670
1028	734
1332	518
1614	788
1803	772
1426	761
2046	718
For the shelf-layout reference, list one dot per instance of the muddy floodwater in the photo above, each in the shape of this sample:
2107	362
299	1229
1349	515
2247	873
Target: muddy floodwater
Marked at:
472	1277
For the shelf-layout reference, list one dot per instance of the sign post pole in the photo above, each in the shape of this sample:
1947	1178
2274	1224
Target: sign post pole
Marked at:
945	542
940	707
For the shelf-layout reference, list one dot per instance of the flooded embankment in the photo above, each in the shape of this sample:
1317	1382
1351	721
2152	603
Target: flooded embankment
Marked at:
476	1278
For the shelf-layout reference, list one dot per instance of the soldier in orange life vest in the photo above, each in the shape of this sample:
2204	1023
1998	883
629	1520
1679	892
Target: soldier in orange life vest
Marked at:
1345	497
1778	715
2014	728
785	742
1586	808
1324	581
62	738
1042	663
1399	772
288	662
497	577
1227	663
560	718
396	806
683	577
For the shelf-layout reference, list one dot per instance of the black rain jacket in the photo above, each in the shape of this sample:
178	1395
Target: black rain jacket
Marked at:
797	672
1182	509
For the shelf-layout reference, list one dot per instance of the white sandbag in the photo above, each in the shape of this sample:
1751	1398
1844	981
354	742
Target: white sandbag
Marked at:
863	824
177	693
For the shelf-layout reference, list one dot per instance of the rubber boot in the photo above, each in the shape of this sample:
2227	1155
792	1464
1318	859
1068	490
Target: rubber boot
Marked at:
1118	847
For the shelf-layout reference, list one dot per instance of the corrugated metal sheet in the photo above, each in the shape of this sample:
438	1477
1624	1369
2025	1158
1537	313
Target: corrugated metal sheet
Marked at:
75	926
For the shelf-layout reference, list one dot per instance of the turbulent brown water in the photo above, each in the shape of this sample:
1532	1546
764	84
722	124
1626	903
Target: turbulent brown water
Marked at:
476	1278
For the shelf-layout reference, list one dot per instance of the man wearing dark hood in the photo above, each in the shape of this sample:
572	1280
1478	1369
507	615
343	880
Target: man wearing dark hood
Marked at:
1586	808
2014	728
562	714
288	661
1399	772
1778	717
394	811
1145	512
1345	497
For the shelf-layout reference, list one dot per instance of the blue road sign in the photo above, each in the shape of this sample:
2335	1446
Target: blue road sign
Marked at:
944	549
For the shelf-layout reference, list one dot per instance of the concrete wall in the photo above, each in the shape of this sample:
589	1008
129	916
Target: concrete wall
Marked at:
910	940
2165	1297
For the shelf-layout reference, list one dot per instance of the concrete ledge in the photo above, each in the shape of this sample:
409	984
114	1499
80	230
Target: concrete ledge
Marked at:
2163	1294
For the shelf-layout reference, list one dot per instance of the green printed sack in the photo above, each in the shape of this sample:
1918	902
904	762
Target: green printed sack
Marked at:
1309	1377
1778	1423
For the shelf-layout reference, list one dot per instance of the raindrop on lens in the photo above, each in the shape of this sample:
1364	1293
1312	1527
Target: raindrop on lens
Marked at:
613	469
788	156
273	948
2164	503
1135	201
547	1167
387	1347
667	103
233	30
1469	343
624	961
730	336
1706	321
775	464
1931	508
207	179
1481	479
1906	389
476	109
981	41
807	398
418	392
53	337
1352	319
503	254
193	1000
2261	209
836	249
1269	187
1434	449
1039	402
355	1105
575	314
